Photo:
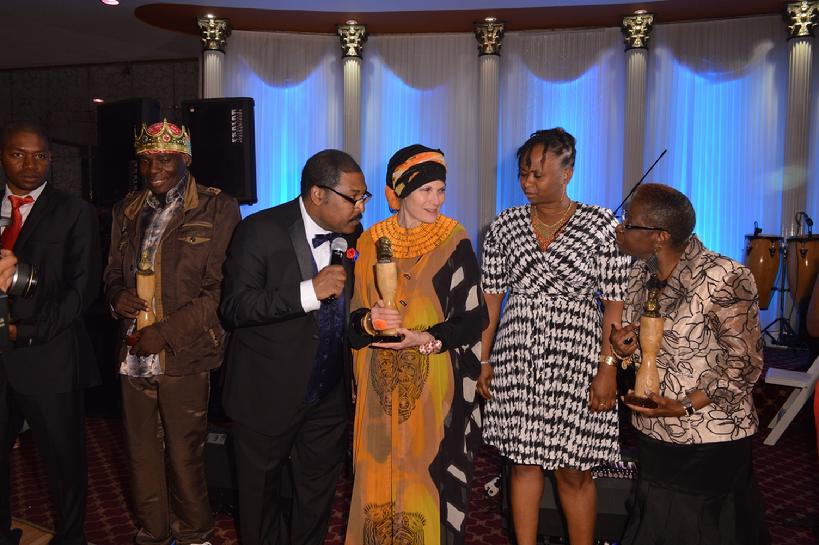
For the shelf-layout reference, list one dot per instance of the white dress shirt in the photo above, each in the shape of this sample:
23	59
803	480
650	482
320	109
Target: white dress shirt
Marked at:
25	209
321	255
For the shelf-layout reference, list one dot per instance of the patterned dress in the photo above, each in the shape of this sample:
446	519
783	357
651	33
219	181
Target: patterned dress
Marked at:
548	341
416	420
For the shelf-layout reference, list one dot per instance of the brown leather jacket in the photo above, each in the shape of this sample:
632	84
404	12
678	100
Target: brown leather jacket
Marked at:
188	268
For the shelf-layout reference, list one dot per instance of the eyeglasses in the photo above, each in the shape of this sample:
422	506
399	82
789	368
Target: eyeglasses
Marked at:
366	196
631	227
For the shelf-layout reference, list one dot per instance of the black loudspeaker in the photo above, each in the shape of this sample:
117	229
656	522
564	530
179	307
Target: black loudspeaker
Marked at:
615	489
223	139
117	172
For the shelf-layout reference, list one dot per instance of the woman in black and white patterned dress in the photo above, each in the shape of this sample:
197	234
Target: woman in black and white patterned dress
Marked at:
551	379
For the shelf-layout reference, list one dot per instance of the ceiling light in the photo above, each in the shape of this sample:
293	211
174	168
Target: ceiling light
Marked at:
97	100
209	16
640	12
490	19
352	22
110	2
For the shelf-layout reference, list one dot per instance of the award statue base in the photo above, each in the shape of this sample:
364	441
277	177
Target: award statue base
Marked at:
639	401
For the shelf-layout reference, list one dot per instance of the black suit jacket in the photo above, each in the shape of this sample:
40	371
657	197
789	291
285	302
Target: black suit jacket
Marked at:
272	345
53	353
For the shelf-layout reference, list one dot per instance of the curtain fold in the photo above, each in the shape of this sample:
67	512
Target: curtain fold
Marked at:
571	79
296	83
716	100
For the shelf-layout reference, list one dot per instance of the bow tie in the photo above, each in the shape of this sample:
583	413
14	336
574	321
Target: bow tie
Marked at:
318	240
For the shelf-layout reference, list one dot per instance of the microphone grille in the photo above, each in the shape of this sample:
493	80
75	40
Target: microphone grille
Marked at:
338	245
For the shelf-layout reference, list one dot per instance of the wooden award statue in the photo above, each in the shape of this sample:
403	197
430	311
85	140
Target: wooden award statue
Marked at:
651	337
146	287
386	278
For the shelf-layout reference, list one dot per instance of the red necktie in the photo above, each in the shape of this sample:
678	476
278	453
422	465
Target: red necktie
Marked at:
10	233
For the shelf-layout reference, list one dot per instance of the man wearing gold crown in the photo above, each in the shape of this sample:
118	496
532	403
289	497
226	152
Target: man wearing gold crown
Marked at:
163	281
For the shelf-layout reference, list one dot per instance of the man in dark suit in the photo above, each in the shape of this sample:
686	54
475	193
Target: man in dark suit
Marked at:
287	385
50	359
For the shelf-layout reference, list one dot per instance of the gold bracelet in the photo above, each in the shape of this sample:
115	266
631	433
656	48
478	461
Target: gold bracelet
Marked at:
367	324
608	359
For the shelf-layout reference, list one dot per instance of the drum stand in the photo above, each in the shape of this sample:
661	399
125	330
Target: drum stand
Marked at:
786	336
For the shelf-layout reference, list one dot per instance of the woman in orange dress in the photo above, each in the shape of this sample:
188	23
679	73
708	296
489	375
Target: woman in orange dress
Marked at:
416	422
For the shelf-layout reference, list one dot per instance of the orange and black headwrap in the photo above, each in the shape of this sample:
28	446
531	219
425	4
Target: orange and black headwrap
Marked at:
410	168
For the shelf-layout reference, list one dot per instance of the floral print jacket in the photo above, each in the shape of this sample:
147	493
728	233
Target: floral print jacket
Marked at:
711	342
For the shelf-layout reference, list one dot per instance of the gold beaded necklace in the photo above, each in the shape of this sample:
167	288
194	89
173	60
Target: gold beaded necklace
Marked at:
415	241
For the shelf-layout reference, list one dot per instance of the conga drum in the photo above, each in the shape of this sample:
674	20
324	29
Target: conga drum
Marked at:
803	265
762	257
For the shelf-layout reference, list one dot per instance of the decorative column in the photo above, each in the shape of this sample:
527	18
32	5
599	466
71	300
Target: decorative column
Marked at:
801	18
637	30
353	37
489	34
214	39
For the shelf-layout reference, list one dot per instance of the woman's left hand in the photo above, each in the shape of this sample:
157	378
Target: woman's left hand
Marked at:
603	390
665	406
409	338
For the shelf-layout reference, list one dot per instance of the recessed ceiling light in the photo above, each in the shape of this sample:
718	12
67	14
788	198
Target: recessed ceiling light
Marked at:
209	16
97	100
352	22
640	12
490	19
110	2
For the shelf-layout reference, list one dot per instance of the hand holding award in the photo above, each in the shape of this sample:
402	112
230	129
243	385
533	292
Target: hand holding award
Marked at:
651	336
386	278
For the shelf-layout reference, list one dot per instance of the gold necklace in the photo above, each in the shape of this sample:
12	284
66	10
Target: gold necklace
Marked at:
558	222
546	233
416	241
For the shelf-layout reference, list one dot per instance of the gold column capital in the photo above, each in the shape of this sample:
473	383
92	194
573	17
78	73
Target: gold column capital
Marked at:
353	36
637	30
801	18
214	33
489	34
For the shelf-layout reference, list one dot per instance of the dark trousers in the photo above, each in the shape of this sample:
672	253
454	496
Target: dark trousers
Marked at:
166	424
314	445
58	425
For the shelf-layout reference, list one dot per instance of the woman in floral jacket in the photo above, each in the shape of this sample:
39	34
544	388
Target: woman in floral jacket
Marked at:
696	480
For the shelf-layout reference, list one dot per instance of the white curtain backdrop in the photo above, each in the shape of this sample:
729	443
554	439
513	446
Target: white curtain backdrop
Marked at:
716	95
571	79
716	99
296	82
422	89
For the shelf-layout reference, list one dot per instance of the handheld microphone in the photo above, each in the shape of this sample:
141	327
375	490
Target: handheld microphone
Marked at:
337	249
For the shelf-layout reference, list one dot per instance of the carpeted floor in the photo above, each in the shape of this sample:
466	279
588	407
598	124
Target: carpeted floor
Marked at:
788	476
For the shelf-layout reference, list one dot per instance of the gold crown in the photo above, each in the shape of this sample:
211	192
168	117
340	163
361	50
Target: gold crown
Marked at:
162	138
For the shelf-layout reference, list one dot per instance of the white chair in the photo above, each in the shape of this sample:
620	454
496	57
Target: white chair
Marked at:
803	384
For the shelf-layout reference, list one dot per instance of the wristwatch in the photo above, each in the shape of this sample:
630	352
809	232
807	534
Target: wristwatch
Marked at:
687	406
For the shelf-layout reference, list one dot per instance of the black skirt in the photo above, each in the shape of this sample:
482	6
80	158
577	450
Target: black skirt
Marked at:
703	494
